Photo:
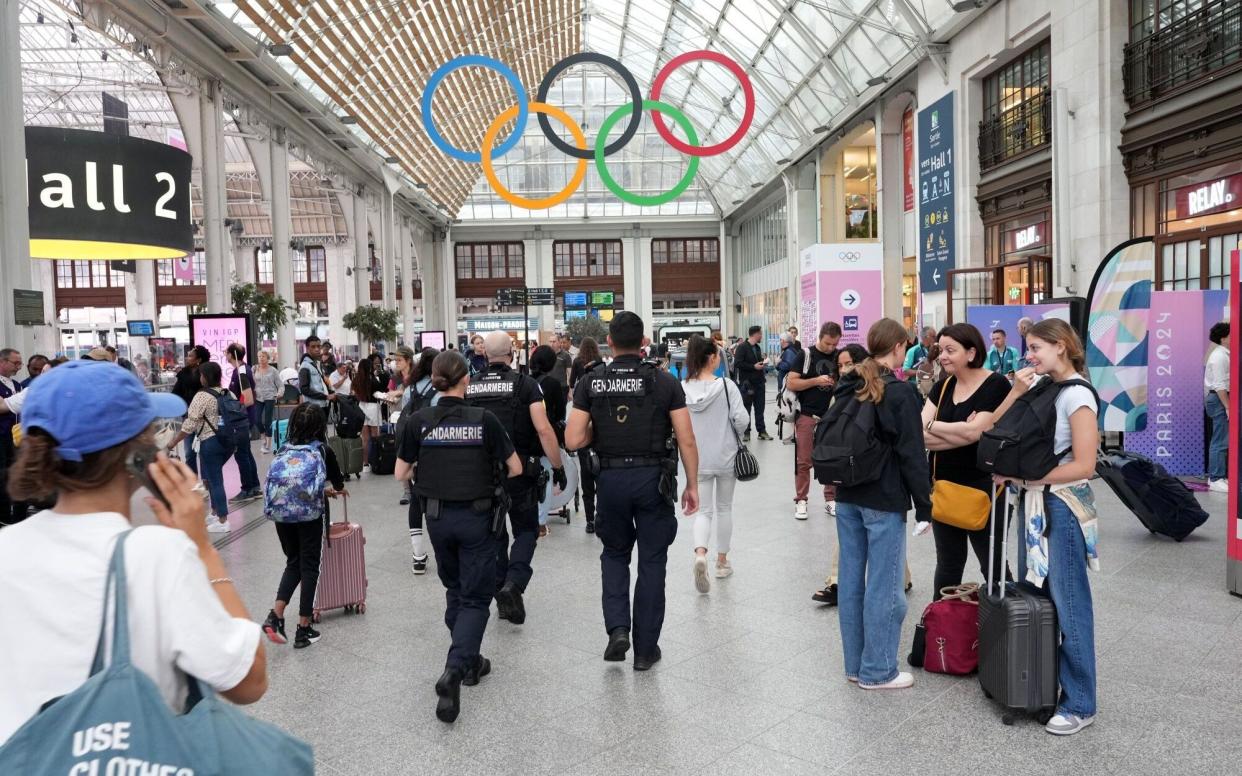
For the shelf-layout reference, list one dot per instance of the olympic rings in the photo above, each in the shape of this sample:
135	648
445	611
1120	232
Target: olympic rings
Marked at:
525	202
635	95
478	61
616	188
748	113
521	110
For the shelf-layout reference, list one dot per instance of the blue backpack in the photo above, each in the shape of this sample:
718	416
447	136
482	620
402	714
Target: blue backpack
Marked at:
234	428
295	484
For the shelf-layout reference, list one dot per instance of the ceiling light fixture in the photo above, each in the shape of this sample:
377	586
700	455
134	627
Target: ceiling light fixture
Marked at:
349	119
966	6
280	50
391	160
821	128
877	80
785	160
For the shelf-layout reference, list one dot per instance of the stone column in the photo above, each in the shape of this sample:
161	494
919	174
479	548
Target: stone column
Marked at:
216	242
282	259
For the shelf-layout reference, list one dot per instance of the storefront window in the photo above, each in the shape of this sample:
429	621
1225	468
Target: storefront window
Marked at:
1017	109
1202	199
859	176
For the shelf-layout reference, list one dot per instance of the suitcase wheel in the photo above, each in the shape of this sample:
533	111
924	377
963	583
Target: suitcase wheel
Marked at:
361	608
316	617
986	694
1007	718
1044	716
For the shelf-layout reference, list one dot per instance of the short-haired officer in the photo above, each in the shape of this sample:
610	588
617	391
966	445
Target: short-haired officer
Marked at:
629	412
517	401
459	456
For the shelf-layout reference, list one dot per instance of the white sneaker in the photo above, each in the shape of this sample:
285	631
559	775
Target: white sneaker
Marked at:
1219	486
830	508
215	526
901	681
1063	724
724	570
701	582
800	510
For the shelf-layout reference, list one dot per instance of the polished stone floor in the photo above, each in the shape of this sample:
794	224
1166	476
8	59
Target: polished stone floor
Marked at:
751	681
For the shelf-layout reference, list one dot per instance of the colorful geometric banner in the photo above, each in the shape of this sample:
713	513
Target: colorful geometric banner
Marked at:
1179	322
1117	334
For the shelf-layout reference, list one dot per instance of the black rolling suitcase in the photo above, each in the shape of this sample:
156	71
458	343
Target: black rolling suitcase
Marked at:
1161	502
1018	640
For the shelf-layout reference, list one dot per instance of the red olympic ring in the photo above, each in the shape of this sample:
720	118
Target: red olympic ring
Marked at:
747	115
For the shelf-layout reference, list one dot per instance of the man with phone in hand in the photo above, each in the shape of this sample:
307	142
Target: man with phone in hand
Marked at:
752	376
814	380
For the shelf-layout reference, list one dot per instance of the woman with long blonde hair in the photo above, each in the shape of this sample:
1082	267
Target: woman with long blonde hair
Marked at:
871	516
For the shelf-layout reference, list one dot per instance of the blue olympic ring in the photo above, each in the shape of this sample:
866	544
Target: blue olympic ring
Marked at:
477	61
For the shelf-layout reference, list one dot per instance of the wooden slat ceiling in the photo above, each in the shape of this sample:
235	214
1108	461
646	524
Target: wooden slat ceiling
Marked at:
373	59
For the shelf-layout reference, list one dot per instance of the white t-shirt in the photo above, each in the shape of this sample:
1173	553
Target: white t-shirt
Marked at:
52	573
1069	401
1216	371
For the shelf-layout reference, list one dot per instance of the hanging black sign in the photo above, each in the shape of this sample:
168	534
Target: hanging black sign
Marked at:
93	195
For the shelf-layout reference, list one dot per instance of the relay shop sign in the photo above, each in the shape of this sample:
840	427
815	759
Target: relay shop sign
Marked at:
1201	199
842	282
99	196
936	194
1177	331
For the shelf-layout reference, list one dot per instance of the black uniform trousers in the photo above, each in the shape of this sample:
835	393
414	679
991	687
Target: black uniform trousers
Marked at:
753	399
630	509
462	541
513	563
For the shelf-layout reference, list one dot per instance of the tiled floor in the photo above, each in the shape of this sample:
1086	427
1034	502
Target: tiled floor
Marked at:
751	681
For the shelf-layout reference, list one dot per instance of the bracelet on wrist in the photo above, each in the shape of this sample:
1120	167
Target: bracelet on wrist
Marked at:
221	580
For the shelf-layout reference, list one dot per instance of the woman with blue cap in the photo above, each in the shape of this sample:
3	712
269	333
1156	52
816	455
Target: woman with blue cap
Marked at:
89	444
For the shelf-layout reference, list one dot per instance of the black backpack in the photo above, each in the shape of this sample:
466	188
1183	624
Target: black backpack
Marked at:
348	416
234	427
1020	445
849	449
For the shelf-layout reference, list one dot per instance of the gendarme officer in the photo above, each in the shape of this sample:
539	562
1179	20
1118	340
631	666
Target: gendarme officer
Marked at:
460	457
628	411
517	401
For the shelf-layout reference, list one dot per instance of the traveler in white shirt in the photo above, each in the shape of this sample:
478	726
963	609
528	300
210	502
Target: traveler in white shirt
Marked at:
1216	403
185	616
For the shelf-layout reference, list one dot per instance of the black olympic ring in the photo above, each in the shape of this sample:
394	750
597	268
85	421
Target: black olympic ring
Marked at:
849	256
630	83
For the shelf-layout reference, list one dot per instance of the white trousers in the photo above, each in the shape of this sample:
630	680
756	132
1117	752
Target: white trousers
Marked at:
715	506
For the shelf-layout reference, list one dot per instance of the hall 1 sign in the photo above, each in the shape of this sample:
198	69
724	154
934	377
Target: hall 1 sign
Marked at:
93	195
937	220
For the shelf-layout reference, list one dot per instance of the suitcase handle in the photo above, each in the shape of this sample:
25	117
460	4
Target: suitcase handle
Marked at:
1007	513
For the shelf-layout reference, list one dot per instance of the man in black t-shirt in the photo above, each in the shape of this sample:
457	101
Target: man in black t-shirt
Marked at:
814	379
752	378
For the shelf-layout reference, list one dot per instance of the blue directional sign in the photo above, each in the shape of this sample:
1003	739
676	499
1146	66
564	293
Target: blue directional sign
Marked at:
936	195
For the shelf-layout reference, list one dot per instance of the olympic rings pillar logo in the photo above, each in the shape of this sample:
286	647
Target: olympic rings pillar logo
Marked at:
489	151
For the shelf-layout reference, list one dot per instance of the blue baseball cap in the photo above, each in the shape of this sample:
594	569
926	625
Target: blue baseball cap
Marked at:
88	406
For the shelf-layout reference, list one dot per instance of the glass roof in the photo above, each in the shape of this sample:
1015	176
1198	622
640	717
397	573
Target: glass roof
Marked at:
810	62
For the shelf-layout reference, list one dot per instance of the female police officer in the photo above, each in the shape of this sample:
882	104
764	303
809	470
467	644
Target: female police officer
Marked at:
459	457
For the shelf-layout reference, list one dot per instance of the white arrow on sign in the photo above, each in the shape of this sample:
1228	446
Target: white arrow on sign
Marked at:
936	275
850	299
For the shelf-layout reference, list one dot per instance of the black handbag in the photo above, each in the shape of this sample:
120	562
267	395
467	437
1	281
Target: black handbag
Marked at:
745	465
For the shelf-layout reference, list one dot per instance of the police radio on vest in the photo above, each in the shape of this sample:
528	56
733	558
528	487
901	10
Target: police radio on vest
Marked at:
57	191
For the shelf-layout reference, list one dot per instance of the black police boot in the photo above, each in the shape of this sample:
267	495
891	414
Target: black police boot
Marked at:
618	645
502	603
590	526
448	687
643	663
509	603
481	668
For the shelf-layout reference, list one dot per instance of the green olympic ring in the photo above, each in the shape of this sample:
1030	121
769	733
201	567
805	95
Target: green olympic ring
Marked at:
601	163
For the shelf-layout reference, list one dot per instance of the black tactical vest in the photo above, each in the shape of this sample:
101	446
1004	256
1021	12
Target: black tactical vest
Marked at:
453	462
627	420
499	390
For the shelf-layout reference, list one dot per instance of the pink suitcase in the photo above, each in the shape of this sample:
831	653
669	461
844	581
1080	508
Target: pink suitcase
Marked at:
342	568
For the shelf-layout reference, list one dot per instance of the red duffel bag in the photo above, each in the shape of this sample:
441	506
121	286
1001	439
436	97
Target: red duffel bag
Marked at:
952	625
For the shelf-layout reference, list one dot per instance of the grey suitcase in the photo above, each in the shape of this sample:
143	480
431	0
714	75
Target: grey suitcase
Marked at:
1018	641
348	454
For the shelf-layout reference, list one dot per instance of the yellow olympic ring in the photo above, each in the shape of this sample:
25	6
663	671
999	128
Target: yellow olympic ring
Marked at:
489	140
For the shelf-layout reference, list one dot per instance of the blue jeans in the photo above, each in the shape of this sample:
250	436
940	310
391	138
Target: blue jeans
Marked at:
1218	448
266	410
213	453
869	590
1070	590
191	457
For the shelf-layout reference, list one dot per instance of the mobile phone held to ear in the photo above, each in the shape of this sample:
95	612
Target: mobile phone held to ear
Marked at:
137	464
